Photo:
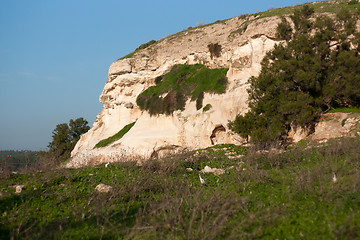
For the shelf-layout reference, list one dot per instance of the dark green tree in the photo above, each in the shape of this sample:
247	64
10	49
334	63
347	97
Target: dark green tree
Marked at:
284	30
65	136
317	69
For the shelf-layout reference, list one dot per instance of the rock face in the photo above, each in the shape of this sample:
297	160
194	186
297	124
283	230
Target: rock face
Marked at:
331	125
244	42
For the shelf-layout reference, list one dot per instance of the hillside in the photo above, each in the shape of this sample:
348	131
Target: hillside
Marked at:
170	116
302	193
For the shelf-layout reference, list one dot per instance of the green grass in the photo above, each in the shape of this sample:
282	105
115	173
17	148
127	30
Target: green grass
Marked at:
182	82
290	195
319	7
142	46
345	110
115	137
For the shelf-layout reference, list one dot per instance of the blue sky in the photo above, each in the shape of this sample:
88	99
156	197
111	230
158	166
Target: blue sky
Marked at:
54	55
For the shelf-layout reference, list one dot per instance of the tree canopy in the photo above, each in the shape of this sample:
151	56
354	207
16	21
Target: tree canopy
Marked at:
65	136
316	68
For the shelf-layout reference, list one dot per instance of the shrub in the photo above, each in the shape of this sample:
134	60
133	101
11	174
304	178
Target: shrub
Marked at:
207	107
158	79
242	28
145	45
343	122
284	30
215	50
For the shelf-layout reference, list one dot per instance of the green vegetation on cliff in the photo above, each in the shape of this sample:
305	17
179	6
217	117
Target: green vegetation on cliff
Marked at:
115	137
182	82
142	46
310	74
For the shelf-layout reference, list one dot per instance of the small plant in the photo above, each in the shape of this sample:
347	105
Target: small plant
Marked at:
145	45
115	137
343	122
215	50
241	30
207	107
142	46
284	30
158	79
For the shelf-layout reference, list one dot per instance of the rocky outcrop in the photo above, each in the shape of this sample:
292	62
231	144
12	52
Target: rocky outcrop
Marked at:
331	125
244	42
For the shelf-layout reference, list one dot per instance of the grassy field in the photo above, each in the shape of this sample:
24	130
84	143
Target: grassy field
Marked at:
302	193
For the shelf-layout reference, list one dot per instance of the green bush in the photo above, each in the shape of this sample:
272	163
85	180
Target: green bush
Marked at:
214	49
115	137
284	30
207	107
181	83
158	79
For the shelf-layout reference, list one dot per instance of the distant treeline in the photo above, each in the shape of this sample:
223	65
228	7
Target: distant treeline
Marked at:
11	160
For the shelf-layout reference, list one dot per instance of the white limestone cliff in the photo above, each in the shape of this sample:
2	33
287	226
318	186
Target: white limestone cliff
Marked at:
241	52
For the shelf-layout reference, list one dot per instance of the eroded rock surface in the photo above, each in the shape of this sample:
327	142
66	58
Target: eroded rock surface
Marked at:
243	46
244	42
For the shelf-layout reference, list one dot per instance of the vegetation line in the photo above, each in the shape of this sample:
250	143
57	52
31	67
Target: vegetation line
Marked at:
115	137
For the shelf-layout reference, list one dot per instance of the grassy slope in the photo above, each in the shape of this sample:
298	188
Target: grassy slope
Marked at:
115	137
196	78
185	80
286	196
